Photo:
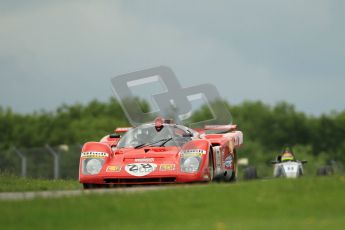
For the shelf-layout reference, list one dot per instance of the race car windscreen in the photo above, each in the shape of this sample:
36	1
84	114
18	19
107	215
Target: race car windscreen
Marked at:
150	135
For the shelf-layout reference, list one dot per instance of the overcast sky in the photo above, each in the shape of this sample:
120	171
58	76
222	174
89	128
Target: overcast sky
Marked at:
54	52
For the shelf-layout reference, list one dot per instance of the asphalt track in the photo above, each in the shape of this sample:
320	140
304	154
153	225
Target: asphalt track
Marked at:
68	193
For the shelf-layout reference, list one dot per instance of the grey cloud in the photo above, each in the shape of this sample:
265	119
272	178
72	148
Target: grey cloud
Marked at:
67	51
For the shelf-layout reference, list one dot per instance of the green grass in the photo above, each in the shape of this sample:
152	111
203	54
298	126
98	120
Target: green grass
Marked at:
307	203
9	183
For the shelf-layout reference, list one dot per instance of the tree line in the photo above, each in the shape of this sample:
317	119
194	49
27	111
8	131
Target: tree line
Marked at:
267	129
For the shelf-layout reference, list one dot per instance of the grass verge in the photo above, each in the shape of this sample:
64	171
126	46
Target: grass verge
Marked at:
307	203
10	183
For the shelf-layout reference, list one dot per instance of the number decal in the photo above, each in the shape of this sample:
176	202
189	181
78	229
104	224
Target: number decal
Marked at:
140	169
133	168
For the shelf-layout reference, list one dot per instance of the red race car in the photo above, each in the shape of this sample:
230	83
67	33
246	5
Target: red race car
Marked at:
161	153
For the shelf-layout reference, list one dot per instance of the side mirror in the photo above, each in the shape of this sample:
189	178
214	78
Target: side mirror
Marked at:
304	162
114	135
187	135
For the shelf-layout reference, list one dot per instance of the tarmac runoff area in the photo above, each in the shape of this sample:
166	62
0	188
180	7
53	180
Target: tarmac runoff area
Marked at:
68	193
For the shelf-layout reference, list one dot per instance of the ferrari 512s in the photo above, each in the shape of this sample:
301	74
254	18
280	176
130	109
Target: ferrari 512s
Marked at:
161	153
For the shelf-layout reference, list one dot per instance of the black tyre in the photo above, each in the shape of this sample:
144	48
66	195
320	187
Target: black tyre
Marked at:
250	173
87	186
279	172
324	171
233	177
93	186
210	165
300	172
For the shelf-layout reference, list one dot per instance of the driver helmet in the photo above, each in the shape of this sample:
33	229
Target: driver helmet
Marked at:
287	156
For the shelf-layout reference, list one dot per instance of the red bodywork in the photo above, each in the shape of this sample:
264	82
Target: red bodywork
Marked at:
161	165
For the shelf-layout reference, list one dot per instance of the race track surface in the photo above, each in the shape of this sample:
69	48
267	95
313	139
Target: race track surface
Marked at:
64	193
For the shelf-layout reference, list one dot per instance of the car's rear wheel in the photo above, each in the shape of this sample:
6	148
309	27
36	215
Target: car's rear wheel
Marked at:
300	172
233	176
210	165
280	172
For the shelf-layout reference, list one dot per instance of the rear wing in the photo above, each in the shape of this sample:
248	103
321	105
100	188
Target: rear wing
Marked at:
228	132
236	138
223	128
122	129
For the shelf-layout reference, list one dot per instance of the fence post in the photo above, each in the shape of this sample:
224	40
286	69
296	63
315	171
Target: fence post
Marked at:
56	160
23	161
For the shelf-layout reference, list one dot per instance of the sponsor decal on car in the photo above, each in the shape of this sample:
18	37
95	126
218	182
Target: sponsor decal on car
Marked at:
144	160
192	153
140	169
94	154
113	168
228	162
167	167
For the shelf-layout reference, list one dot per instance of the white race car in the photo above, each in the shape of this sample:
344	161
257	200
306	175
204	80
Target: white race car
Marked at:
287	166
288	169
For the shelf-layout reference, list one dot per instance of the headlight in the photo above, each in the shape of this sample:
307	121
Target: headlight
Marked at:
190	164
92	166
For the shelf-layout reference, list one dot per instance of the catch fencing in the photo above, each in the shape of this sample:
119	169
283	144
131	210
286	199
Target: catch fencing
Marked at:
47	162
62	162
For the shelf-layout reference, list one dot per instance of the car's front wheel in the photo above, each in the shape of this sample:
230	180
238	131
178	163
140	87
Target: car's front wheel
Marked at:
87	186
93	186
